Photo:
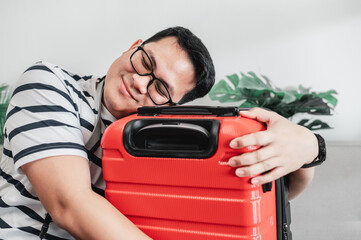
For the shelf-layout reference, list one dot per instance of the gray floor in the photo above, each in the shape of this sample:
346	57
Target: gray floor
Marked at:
330	208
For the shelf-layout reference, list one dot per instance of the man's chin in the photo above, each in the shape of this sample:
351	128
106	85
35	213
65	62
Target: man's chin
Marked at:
125	112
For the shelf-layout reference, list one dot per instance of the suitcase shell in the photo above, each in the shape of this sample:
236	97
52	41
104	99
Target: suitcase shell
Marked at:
186	193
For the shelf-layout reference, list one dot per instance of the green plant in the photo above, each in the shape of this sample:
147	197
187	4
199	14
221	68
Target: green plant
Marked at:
5	95
253	91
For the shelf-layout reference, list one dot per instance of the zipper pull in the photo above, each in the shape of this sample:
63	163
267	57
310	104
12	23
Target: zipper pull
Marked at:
285	231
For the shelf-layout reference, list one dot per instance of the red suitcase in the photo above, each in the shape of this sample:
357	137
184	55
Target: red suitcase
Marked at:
166	170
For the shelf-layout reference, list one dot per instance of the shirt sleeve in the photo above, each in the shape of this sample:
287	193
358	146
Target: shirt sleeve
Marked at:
42	118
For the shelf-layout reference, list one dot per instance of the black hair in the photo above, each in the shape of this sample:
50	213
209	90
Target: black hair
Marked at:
199	55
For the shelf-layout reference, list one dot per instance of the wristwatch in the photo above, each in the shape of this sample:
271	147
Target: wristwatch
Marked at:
321	157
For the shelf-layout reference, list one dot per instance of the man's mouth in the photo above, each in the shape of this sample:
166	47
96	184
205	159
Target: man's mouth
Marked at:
124	90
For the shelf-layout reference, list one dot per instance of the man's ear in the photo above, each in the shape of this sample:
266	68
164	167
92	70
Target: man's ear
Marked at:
135	45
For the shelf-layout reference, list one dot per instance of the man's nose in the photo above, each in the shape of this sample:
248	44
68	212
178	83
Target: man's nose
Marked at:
141	83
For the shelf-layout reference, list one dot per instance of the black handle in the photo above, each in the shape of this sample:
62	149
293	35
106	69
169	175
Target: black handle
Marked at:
171	138
189	110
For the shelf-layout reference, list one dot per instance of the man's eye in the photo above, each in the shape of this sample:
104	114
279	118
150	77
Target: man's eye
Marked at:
146	64
160	89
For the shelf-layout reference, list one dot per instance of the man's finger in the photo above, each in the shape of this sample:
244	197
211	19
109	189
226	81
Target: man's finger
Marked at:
258	168
261	138
259	114
269	177
250	158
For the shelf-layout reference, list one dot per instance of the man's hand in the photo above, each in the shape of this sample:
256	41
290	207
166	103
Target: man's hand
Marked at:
285	147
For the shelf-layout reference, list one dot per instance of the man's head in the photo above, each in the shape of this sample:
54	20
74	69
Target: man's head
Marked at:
177	58
199	56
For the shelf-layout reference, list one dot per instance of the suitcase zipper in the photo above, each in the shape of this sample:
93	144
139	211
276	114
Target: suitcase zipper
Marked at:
285	231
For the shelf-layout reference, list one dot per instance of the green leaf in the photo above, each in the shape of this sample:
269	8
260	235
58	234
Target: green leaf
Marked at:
234	79
229	98
250	82
328	96
5	95
258	81
303	122
221	90
268	82
288	97
221	87
248	104
314	125
260	91
303	90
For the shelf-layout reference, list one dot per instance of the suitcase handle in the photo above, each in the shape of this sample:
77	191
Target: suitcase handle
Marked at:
189	110
171	138
174	136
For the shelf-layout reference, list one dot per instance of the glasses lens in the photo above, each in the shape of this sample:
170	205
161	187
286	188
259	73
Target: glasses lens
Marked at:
158	92
141	62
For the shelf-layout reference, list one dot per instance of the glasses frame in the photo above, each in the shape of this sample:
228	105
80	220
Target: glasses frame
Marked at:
170	101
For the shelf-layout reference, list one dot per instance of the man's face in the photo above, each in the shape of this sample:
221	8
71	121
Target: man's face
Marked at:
125	90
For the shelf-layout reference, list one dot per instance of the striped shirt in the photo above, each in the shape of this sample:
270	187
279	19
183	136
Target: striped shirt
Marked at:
52	112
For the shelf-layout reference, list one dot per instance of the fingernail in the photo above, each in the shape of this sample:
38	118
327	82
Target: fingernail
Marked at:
239	172
232	163
233	144
254	181
244	112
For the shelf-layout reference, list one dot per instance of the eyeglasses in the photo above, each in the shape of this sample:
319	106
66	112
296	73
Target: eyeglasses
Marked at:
156	88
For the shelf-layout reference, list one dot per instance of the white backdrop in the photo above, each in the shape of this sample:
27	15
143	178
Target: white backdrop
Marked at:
316	43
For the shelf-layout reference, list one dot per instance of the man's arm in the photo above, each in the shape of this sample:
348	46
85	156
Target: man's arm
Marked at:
63	185
286	147
299	181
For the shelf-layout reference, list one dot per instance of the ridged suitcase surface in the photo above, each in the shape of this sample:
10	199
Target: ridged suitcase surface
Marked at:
169	175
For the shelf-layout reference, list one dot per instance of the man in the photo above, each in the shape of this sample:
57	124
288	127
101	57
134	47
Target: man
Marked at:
46	167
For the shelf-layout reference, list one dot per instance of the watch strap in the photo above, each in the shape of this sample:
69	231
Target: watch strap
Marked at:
321	157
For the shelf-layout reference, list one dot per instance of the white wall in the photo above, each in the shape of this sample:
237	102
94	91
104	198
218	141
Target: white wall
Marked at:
316	43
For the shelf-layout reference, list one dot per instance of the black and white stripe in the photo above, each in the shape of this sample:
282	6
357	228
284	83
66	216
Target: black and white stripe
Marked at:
51	110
